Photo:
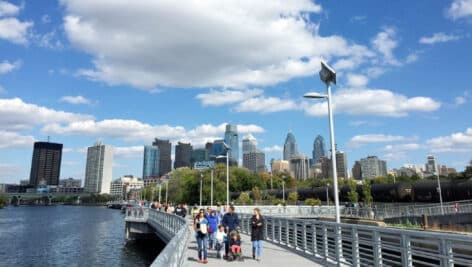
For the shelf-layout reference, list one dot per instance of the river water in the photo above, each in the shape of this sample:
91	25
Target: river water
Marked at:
69	236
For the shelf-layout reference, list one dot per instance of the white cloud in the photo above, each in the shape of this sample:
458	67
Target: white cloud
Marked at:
75	100
274	148
45	19
223	97
2	90
266	105
8	9
460	100
402	147
129	152
13	140
15	31
49	40
438	37
16	114
385	42
360	140
412	57
456	142
372	102
194	53
6	66
357	80
460	9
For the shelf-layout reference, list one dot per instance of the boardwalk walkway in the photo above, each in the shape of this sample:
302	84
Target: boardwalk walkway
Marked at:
272	256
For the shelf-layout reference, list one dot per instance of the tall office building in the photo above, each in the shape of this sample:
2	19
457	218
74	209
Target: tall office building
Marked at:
249	144
209	148
290	146
357	171
299	167
151	162
254	161
431	165
183	155
341	164
165	160
199	154
99	169
232	140
279	166
46	163
372	167
325	166
319	148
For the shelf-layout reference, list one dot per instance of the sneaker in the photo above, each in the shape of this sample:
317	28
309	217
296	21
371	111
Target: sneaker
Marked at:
200	261
253	257
205	261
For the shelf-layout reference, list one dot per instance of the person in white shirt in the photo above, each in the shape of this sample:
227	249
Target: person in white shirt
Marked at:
220	240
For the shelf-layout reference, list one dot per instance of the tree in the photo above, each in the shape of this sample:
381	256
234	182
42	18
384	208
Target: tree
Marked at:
366	193
257	194
293	197
244	198
352	195
312	202
3	200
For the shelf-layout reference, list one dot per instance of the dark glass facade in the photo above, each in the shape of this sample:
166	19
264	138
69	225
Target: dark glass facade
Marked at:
46	163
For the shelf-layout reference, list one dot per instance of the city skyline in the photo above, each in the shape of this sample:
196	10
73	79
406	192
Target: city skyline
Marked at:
395	96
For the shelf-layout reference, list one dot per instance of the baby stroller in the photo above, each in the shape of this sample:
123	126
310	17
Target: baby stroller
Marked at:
234	243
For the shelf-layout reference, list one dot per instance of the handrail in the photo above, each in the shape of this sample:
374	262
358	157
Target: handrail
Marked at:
363	245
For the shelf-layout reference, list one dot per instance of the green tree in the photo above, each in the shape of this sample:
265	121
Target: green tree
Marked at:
3	200
312	202
257	194
293	197
352	195
366	193
244	198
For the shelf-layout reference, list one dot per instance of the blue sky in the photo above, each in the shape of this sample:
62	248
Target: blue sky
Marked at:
123	73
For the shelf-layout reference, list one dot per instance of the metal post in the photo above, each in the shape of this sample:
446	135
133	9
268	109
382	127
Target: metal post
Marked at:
283	191
271	184
227	177
211	197
327	195
440	194
167	189
160	187
201	185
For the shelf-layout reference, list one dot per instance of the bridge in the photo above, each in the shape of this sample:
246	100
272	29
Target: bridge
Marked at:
16	198
290	234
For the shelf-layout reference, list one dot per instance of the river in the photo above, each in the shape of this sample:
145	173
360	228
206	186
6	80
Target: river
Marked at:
69	236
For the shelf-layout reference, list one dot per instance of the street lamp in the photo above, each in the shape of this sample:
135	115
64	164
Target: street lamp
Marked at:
327	194
227	170
439	191
201	185
211	190
283	191
328	76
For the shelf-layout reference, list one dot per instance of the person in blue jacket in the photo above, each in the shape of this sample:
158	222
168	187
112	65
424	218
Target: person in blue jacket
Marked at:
213	221
230	223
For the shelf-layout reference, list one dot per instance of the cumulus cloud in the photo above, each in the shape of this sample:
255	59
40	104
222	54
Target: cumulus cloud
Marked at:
460	9
14	140
6	66
16	114
274	148
385	42
378	102
357	80
75	100
129	152
402	147
360	140
266	105
190	46
223	97
12	29
456	142
438	37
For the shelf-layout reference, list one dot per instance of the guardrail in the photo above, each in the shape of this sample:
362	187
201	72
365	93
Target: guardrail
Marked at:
361	245
290	210
171	227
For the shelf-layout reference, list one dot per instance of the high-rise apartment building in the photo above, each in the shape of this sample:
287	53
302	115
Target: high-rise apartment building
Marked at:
232	140
165	160
372	167
341	164
319	149
299	167
254	161
290	146
357	171
46	163
279	166
183	155
199	154
431	165
249	144
151	162
99	169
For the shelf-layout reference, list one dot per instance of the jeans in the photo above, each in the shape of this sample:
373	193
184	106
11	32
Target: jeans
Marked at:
212	240
257	248
202	246
218	247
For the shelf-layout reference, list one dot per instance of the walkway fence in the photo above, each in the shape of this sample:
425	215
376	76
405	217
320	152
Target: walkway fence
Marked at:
361	245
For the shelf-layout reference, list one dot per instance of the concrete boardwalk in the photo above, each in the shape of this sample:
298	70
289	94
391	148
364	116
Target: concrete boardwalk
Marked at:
272	256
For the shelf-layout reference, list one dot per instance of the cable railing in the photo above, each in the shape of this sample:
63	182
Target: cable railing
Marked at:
311	211
362	245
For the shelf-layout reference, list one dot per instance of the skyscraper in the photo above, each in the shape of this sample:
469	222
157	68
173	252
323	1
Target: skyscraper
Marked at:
183	155
254	161
46	163
372	167
151	162
165	160
99	169
431	165
319	148
357	171
299	167
232	140
199	154
341	164
290	146
249	144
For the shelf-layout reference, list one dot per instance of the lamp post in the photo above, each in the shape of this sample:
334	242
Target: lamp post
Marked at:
201	185
327	194
328	75
167	189
283	191
227	171
439	191
211	192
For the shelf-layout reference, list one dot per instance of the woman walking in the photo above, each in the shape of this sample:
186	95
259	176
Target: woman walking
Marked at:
200	225
257	234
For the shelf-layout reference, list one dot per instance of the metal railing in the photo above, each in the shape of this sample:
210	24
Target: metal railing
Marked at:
362	245
136	213
319	211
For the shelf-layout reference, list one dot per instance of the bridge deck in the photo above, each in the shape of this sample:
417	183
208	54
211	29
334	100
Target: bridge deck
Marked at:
272	256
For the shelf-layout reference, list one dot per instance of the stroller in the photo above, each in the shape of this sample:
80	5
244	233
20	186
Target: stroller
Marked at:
234	243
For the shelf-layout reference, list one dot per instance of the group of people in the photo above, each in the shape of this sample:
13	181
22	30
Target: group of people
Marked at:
179	210
215	229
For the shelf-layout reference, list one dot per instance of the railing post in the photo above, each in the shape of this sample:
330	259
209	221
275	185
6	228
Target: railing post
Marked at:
287	232
446	253
377	248
355	247
338	244
280	231
295	232
315	241
304	237
407	259
325	242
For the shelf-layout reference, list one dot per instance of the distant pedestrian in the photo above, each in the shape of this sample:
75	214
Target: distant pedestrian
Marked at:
200	225
456	207
180	211
257	234
230	222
